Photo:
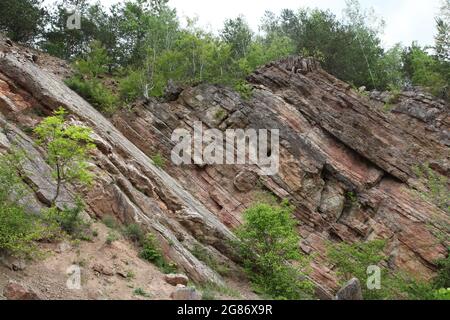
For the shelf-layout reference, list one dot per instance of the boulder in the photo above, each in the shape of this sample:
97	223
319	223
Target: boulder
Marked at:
15	264
350	291
176	279
103	270
16	291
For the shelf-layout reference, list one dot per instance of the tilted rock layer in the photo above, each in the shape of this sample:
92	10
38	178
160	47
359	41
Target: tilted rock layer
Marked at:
345	164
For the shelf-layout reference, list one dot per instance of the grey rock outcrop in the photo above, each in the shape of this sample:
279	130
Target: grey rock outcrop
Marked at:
350	291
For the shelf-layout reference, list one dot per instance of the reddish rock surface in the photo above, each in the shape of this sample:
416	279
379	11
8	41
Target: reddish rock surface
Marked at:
176	279
15	291
334	142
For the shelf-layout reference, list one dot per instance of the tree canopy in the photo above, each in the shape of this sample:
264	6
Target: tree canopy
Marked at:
146	44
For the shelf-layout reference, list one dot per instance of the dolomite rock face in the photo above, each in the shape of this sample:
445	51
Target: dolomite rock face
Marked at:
127	184
344	163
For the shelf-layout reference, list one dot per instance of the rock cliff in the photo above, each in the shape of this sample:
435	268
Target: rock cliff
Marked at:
345	163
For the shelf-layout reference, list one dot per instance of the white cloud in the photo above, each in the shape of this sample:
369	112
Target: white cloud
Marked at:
407	22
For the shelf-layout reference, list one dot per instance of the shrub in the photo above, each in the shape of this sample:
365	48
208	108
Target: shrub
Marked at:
352	260
112	236
443	278
86	80
268	242
220	115
69	220
442	294
110	222
427	71
134	233
130	274
131	86
203	255
140	292
244	89
158	160
351	198
152	253
18	229
95	92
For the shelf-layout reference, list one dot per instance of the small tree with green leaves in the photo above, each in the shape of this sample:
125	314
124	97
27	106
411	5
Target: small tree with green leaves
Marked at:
68	148
269	246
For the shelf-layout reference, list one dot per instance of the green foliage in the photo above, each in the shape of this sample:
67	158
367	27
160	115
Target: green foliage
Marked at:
110	222
211	290
442	279
112	237
18	229
22	20
94	92
244	89
390	73
70	220
436	185
130	274
387	107
348	49
143	42
203	255
220	115
442	294
140	292
238	35
265	195
96	24
268	243
96	62
132	86
351	197
394	96
67	149
150	250
152	253
352	260
427	71
134	233
87	82
158	160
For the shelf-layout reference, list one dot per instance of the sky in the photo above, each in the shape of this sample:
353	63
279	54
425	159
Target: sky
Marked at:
406	20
